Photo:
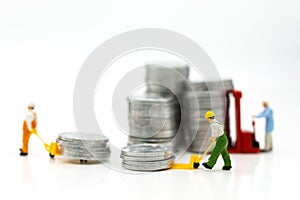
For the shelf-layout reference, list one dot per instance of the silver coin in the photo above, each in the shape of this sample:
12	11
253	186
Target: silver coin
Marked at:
81	144
147	168
171	77
148	134
210	85
84	137
86	156
150	162
167	88
145	158
102	158
150	99
137	114
143	121
154	125
146	150
80	149
134	141
211	94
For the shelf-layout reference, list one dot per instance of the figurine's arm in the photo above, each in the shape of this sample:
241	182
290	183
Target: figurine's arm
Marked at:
264	113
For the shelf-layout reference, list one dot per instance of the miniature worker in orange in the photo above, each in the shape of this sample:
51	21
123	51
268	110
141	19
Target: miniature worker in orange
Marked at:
29	126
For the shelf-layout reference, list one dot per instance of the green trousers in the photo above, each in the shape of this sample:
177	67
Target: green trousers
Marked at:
220	148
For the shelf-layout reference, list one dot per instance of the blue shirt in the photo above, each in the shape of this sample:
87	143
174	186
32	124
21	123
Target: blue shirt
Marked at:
268	114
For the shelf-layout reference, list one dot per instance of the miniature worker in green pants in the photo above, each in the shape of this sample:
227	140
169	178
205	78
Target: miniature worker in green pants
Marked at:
218	136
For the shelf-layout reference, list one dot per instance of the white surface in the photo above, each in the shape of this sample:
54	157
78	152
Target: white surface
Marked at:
44	43
259	176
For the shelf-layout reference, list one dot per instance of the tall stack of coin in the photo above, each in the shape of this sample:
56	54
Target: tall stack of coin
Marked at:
84	146
169	78
152	118
147	157
209	96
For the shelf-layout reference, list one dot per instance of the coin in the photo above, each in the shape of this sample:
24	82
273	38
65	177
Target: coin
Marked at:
149	162
152	117
147	157
83	137
198	98
148	167
84	146
145	150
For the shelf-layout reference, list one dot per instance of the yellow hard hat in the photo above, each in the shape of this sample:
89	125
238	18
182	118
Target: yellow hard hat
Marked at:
209	114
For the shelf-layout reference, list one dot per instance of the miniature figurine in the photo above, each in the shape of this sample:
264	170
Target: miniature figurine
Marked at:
29	126
218	136
268	114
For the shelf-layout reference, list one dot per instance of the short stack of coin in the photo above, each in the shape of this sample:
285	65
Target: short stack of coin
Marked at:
147	157
152	118
84	146
199	97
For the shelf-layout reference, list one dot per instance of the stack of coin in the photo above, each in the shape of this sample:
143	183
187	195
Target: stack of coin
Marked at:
147	157
199	97
152	118
166	78
84	146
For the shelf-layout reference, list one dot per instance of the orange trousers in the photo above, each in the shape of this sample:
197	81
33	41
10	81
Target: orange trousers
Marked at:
26	136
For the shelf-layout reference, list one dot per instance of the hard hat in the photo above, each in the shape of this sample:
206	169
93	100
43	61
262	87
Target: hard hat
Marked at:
209	114
31	105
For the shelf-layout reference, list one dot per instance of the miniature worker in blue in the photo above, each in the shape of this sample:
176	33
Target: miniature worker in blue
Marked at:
268	114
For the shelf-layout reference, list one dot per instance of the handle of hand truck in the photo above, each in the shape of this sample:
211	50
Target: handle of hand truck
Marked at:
206	151
47	147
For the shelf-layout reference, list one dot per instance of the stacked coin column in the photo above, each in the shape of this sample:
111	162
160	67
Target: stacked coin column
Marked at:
152	118
166	79
169	79
209	96
147	157
84	146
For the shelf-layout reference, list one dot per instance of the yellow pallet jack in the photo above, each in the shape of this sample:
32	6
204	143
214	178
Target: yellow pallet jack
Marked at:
53	149
194	160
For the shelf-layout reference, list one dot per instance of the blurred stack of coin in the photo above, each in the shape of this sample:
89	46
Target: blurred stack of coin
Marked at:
147	157
84	146
167	77
152	118
199	97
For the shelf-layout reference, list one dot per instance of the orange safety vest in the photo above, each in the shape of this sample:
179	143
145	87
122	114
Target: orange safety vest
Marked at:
27	133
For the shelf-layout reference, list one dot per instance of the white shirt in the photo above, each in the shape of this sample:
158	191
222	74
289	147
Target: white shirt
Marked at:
29	118
217	129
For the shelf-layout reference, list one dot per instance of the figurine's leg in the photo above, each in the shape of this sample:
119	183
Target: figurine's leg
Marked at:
219	147
226	157
268	142
26	136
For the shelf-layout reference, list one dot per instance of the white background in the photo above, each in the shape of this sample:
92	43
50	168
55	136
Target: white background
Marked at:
44	43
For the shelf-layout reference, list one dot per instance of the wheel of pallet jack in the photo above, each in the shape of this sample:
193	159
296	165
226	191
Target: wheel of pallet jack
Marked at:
51	156
83	161
196	165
